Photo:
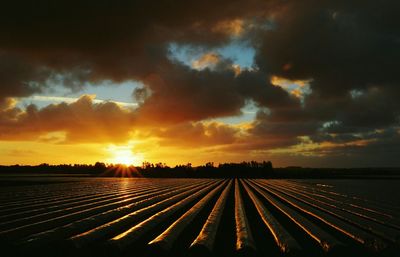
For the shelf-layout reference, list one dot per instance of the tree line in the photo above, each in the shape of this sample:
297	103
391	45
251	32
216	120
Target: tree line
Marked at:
250	169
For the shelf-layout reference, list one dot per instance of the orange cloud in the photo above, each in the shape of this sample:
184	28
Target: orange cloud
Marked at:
297	88
233	27
237	69
82	120
198	134
206	60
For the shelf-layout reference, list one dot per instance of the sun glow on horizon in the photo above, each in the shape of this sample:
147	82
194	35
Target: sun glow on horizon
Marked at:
124	155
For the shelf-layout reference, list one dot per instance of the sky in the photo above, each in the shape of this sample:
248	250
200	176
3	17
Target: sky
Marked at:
300	83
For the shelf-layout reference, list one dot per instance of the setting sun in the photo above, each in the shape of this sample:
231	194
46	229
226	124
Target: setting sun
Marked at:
124	155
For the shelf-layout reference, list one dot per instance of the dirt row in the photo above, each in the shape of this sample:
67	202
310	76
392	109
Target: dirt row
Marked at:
193	217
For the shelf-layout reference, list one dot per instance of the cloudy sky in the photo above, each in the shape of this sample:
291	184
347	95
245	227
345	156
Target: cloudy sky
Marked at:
306	82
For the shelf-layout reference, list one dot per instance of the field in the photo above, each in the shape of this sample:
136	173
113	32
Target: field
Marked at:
78	216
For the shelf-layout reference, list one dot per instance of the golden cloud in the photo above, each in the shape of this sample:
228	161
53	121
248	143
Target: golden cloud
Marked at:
233	27
82	120
206	60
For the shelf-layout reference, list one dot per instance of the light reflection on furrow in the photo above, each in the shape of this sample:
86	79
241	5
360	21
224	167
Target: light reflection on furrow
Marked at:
78	204
358	235
386	233
337	205
112	228
326	241
94	221
391	214
118	214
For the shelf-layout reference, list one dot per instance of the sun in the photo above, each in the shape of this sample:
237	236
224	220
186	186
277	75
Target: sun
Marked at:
124	155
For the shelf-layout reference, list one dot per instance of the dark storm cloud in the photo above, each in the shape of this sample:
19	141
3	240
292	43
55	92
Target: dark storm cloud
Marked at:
375	108
19	78
182	94
372	149
265	124
115	41
340	45
375	135
197	134
94	41
179	93
91	25
255	85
